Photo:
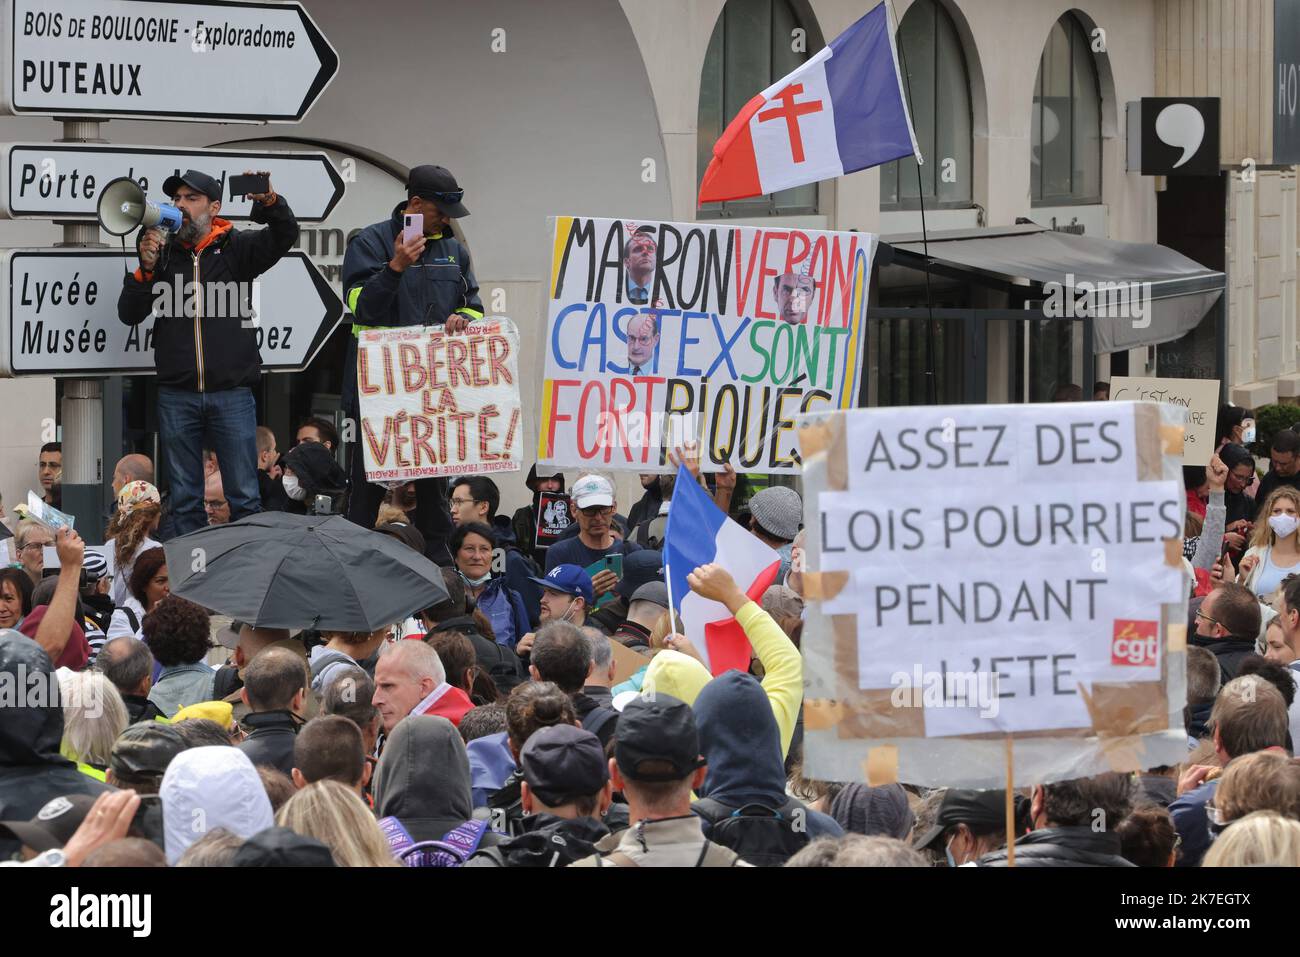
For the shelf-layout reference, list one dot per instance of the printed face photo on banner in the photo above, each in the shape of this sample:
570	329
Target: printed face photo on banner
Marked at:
1019	545
434	404
662	333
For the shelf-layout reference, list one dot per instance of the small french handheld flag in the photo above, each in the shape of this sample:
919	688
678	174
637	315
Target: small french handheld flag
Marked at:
700	533
843	110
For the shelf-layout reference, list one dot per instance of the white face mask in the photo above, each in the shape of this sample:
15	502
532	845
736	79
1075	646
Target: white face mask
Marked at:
292	488
1283	525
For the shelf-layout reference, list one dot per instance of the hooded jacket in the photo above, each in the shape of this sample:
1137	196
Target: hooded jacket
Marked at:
1063	847
490	765
742	745
520	569
524	521
677	674
210	787
32	771
318	472
504	666
423	779
546	841
202	347
1229	652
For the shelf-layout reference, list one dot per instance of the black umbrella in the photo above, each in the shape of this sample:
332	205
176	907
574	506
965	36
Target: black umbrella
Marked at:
279	570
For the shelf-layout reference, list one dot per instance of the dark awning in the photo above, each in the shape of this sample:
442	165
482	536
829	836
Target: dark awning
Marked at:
1146	294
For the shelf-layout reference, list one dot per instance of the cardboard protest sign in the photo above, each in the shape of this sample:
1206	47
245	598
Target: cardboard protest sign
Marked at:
552	518
437	404
626	661
1200	397
983	573
658	333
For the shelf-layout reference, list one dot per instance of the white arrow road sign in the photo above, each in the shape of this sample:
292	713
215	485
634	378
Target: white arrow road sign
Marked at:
58	314
184	60
63	180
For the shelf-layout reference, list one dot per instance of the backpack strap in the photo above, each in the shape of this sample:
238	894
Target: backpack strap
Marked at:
131	620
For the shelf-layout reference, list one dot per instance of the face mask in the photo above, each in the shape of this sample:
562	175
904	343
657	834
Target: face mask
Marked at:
565	616
1283	525
947	852
1248	435
476	581
292	488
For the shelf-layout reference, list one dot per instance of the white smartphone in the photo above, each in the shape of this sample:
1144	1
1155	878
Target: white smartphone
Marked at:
413	226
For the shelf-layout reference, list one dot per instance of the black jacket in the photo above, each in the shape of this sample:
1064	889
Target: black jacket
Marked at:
272	738
545	841
32	772
1062	847
505	668
1228	651
140	709
217	351
427	292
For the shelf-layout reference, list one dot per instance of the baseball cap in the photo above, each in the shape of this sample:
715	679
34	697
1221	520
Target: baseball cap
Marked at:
592	490
437	184
569	579
657	728
640	568
563	762
406	534
53	825
145	749
978	810
778	511
192	178
656	592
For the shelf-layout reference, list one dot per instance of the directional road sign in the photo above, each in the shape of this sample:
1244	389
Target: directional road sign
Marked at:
63	180
58	314
177	59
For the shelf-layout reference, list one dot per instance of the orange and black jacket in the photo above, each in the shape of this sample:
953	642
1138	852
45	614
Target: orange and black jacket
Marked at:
203	336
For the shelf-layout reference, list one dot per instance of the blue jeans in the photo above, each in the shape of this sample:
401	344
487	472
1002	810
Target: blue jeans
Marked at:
226	423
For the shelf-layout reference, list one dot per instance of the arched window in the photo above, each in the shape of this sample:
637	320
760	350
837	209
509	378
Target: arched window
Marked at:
930	52
754	44
1065	135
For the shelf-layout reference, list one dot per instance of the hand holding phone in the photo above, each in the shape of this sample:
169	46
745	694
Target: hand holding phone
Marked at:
249	184
412	227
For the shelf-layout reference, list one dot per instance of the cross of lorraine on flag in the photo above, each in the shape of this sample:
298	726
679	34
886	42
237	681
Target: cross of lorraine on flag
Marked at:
700	533
843	110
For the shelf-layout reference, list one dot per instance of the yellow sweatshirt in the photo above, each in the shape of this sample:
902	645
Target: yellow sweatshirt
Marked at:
783	667
683	677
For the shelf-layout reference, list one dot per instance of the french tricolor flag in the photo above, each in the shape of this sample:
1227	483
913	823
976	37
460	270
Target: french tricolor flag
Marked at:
842	111
699	533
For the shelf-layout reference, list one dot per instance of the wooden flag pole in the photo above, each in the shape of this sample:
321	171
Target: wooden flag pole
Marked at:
1011	804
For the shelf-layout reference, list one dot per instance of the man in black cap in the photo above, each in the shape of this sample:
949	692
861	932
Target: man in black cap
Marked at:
389	281
971	824
565	793
200	287
656	764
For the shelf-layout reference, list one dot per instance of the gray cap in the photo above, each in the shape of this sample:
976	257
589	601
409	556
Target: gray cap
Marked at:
778	511
656	592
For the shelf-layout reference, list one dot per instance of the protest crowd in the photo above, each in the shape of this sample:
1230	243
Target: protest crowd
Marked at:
497	727
464	687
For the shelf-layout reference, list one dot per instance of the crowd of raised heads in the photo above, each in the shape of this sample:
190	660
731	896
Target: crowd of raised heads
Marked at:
552	711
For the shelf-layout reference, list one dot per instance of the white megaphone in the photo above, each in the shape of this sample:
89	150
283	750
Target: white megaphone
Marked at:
122	208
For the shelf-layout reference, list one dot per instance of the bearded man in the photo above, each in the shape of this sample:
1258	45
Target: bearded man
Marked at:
199	288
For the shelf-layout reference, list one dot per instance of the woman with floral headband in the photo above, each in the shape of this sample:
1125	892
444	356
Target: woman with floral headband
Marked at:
131	530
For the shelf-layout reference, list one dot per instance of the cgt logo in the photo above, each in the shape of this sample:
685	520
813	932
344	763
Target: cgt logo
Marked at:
1134	643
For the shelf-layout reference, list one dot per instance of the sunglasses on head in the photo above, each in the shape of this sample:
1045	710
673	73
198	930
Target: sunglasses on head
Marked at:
451	196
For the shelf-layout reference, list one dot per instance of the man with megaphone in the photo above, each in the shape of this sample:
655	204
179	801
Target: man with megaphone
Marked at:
196	280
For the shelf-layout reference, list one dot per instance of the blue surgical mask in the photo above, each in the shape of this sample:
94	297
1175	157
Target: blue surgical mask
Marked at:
477	581
947	852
